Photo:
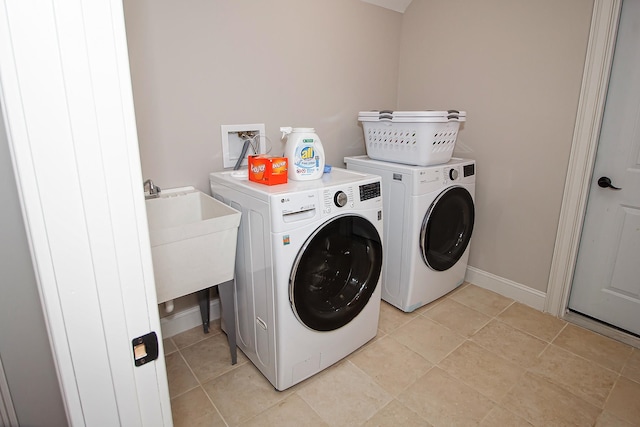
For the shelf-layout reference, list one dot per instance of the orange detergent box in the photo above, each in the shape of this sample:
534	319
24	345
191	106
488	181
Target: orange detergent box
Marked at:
268	170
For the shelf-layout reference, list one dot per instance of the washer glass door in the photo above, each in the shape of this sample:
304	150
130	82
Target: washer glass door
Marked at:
446	228
336	272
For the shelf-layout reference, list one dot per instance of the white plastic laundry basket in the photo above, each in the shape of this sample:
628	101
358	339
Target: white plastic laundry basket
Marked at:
420	138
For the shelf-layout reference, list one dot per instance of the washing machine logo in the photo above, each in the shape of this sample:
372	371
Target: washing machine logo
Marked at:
286	240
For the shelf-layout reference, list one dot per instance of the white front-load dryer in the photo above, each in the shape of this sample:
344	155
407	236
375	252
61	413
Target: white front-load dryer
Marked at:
429	215
308	268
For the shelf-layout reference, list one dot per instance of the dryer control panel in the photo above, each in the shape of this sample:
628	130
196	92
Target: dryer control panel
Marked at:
458	173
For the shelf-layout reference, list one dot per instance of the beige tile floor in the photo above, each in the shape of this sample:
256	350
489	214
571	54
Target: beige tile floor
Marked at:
471	358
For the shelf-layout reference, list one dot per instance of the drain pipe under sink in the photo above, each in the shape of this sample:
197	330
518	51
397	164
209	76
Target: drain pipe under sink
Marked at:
168	306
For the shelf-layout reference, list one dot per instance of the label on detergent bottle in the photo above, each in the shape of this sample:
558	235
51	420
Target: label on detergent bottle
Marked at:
306	161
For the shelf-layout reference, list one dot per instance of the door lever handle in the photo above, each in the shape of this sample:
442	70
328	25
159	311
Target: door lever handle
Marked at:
605	182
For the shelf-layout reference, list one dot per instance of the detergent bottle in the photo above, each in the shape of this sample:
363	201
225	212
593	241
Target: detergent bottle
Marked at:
304	152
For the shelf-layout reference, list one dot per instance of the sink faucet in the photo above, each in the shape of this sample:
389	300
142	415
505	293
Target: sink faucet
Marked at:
154	190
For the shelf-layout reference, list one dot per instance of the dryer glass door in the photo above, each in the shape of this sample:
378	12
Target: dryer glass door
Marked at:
336	272
446	228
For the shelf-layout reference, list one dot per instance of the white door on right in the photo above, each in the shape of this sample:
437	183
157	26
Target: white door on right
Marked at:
606	283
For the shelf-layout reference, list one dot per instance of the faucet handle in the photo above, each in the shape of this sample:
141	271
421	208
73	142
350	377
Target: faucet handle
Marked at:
153	189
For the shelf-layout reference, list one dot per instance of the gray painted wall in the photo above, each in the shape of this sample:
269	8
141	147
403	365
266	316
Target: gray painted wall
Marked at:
24	343
515	67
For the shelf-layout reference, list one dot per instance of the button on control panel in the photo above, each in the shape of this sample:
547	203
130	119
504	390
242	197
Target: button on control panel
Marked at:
340	199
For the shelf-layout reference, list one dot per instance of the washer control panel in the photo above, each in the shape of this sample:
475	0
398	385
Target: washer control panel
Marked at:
337	198
350	196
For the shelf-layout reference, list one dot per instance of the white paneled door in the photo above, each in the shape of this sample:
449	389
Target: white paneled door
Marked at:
606	283
67	103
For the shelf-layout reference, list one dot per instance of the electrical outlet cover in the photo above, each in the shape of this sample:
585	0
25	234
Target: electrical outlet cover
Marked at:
232	143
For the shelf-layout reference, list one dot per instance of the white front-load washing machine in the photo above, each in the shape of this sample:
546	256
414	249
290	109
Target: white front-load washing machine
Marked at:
429	214
308	267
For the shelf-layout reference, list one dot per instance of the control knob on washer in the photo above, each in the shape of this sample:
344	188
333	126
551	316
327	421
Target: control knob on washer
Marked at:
453	174
340	199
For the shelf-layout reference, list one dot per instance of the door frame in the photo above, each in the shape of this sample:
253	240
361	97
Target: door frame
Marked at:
593	94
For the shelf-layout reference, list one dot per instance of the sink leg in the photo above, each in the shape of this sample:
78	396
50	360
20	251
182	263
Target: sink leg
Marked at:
204	301
227	304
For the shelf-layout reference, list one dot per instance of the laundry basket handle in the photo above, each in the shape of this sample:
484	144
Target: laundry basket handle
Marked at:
385	115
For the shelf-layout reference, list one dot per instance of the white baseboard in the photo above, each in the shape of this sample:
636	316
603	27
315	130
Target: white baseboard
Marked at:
190	318
187	319
505	287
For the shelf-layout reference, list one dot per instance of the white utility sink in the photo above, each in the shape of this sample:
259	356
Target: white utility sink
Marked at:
193	241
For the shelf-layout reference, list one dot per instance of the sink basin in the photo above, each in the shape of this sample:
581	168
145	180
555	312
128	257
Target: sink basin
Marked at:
193	241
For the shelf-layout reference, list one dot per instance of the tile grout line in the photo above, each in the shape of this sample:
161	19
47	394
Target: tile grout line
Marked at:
452	297
198	380
312	379
496	402
623	365
526	369
606	400
469	339
566	324
561	386
505	309
215	407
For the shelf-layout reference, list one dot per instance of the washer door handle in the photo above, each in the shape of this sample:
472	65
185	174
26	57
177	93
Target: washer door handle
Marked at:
605	182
